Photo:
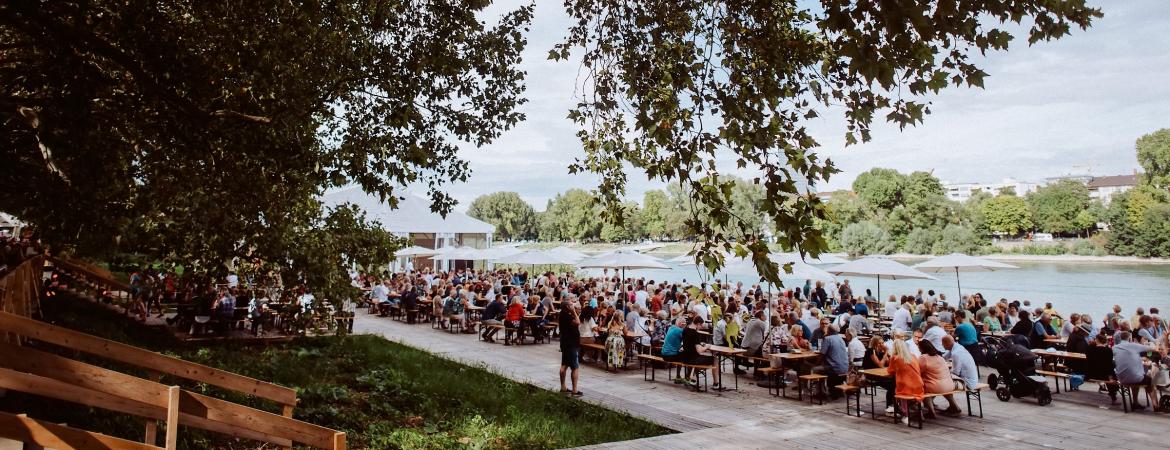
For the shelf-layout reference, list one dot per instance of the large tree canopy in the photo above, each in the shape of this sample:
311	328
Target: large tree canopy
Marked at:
1153	152
672	87
513	217
205	130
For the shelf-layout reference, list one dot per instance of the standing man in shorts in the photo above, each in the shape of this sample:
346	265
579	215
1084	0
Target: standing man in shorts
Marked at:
569	320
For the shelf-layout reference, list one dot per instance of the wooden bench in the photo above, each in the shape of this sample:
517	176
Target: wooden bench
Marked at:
849	391
911	401
977	394
807	381
550	331
775	378
597	349
650	362
496	327
1057	376
700	371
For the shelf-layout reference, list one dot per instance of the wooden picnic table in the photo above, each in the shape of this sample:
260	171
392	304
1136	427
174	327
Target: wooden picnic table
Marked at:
722	353
1060	354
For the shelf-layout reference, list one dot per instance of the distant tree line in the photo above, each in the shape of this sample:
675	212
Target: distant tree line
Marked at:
886	212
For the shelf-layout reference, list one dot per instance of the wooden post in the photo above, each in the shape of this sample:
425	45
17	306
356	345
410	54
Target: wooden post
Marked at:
173	418
287	411
151	424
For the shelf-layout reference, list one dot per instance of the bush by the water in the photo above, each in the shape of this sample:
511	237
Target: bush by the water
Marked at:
382	394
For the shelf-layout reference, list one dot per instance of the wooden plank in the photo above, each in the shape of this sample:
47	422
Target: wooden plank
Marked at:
48	387
128	354
194	410
253	419
50	435
90	273
173	417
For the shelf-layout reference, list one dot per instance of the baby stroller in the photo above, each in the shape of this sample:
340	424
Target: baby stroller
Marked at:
1016	370
1161	379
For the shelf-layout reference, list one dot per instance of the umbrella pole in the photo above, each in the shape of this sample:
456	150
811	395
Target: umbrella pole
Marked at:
879	287
959	284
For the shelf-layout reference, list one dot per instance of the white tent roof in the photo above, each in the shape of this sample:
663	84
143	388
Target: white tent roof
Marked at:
412	216
958	262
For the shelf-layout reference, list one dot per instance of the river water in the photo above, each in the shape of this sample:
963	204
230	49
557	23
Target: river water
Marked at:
1071	287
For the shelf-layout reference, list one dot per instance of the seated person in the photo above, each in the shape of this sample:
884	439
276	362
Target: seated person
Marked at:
835	355
693	350
493	314
936	377
903	366
1099	363
1132	371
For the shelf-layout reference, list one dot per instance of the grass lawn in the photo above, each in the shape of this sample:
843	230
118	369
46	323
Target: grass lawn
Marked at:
382	394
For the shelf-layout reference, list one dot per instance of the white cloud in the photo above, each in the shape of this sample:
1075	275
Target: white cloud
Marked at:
1081	100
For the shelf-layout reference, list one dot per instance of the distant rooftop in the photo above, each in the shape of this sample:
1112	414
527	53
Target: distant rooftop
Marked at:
1113	180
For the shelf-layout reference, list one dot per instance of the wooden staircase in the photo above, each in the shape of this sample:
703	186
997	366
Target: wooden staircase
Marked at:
25	369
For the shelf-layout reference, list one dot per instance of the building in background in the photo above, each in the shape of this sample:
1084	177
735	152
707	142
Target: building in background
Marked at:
961	192
1104	188
414	219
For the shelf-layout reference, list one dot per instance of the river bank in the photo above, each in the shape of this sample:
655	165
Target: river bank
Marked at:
672	249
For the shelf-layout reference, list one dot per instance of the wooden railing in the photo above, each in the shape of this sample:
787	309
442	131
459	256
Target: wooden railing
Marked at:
48	435
48	375
20	289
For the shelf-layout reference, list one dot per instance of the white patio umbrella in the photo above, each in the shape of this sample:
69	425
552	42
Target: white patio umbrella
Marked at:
824	259
959	262
880	268
453	253
623	259
534	258
496	253
415	250
567	253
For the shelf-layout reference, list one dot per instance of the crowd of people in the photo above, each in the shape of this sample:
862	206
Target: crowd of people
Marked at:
927	344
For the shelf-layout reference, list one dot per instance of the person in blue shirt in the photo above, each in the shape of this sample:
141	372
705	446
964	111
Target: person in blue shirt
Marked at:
862	309
672	345
965	333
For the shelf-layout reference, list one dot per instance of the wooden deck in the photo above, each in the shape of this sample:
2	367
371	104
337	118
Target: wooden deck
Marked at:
750	418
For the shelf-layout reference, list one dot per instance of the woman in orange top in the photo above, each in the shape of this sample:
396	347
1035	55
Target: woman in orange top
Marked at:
907	379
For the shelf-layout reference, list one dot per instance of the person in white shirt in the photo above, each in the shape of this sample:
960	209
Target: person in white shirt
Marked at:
912	346
701	310
891	307
856	348
934	332
641	296
842	321
381	292
306	301
903	319
812	318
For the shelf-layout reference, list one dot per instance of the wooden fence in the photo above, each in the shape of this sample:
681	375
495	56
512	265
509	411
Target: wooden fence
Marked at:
26	370
20	292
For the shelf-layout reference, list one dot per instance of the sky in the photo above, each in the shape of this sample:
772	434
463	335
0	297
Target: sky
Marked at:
1053	108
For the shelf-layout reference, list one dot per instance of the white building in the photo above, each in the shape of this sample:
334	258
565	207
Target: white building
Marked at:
1104	188
961	192
414	219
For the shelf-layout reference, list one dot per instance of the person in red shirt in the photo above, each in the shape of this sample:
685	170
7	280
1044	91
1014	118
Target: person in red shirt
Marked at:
513	320
656	301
